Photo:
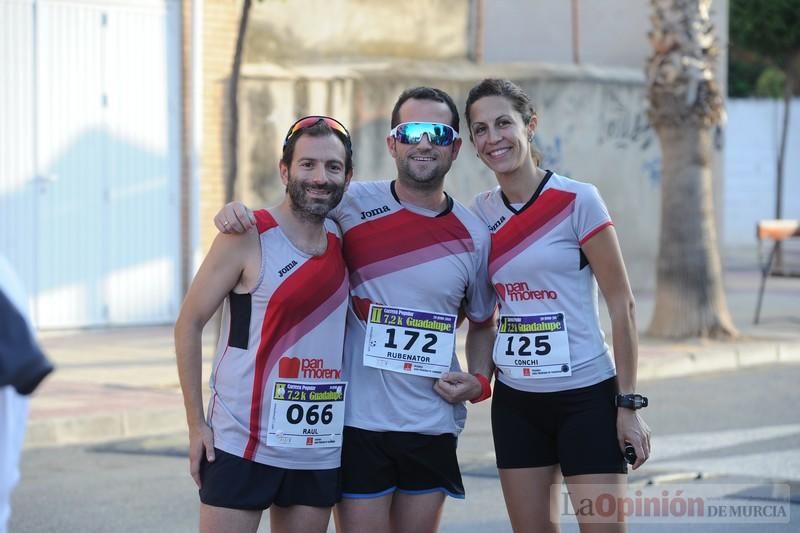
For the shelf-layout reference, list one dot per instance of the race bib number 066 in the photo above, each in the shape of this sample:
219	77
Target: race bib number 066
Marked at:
409	341
306	415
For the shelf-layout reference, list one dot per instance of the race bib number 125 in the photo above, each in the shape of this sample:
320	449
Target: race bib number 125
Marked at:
533	346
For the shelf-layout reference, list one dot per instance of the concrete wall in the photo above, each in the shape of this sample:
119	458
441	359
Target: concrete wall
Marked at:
751	154
335	30
612	33
592	127
351	58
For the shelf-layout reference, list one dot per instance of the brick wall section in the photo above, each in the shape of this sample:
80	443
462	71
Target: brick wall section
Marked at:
220	23
221	19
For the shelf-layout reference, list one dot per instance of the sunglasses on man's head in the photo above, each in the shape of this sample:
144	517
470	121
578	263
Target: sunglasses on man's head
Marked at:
313	120
412	132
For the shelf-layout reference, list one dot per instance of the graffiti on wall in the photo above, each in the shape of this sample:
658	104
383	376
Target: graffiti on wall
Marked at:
552	154
652	170
621	125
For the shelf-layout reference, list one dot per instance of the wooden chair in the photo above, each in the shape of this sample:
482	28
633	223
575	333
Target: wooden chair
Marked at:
777	231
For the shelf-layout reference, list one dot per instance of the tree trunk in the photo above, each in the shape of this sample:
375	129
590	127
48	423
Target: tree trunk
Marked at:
233	104
690	297
684	105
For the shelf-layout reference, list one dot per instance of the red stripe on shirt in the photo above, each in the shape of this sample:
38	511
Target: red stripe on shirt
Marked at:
595	231
306	289
398	234
548	206
264	220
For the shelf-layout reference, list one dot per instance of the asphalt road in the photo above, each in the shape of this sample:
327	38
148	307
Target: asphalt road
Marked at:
739	433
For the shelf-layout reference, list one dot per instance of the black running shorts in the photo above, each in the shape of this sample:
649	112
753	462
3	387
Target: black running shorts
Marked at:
233	482
376	463
575	428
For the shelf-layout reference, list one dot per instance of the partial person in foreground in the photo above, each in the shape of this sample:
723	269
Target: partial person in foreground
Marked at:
23	366
562	405
272	435
417	259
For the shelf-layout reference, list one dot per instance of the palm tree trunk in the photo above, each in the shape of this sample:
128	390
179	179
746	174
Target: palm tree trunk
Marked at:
690	297
233	104
685	103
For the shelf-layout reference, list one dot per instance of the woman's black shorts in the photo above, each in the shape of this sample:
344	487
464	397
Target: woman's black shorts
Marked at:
575	428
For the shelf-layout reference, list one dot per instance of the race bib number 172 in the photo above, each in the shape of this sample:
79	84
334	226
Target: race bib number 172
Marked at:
409	341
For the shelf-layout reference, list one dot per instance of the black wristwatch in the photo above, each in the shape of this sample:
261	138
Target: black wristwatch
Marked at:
631	401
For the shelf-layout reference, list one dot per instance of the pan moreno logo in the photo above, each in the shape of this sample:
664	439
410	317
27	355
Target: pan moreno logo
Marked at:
519	291
306	368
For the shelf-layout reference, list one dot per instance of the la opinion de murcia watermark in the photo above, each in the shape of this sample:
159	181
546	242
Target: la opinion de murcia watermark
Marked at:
702	503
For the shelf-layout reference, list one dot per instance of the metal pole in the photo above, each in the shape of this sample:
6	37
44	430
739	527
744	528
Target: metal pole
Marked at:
479	11
575	34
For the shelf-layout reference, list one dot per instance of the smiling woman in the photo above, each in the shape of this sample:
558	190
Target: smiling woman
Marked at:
554	412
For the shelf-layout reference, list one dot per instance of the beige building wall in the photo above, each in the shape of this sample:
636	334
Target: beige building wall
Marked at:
341	30
609	33
591	127
351	58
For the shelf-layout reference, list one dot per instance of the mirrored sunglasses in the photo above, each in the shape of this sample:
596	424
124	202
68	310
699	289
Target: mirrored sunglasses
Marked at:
307	122
412	132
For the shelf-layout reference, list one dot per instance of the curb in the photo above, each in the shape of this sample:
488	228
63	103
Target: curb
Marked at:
655	362
99	428
670	363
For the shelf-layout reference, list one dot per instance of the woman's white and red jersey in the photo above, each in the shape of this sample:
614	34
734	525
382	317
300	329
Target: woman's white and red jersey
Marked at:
402	256
536	266
291	326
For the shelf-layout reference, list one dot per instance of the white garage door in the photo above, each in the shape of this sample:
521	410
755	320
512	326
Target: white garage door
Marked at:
90	158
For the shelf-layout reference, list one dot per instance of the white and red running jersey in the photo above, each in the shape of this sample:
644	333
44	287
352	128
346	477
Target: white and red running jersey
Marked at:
291	327
403	256
537	268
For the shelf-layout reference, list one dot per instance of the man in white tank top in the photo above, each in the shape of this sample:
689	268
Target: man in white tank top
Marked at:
417	260
271	437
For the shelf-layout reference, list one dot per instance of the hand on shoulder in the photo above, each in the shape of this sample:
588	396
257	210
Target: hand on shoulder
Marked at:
234	217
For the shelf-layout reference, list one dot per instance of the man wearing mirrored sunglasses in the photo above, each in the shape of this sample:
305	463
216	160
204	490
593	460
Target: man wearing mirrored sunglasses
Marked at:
416	258
273	431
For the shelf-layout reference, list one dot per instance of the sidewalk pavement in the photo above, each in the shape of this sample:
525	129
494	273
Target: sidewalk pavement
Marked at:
123	383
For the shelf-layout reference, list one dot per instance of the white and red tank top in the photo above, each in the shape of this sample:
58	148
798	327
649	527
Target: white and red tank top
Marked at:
291	326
